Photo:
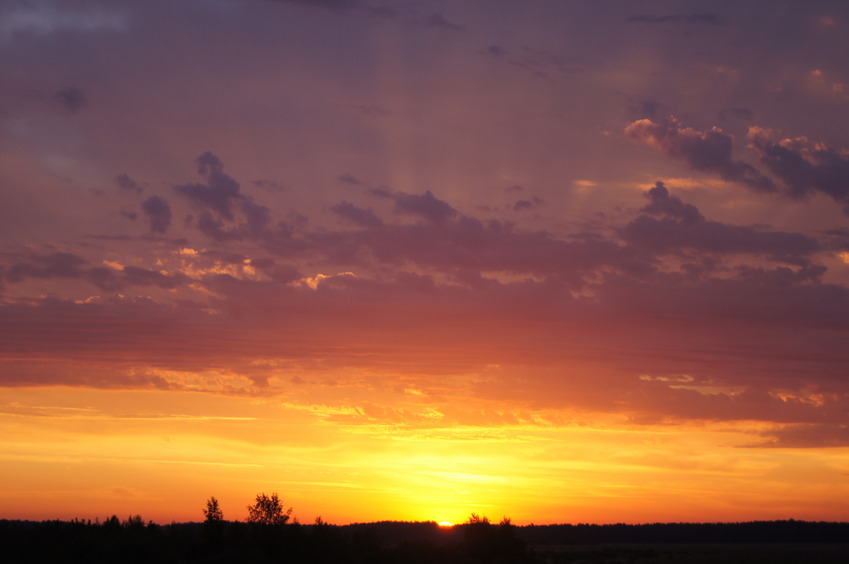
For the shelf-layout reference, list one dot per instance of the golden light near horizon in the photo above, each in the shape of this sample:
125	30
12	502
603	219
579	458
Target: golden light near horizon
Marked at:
347	471
446	524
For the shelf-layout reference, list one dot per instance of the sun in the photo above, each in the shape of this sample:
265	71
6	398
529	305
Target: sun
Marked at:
446	524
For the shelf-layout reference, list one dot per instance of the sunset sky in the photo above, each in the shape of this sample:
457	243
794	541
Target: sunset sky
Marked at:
555	260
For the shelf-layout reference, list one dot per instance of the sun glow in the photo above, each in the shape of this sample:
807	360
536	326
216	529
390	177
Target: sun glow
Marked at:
446	524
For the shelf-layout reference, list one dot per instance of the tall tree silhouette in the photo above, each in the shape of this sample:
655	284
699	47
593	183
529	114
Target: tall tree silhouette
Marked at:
213	511
268	510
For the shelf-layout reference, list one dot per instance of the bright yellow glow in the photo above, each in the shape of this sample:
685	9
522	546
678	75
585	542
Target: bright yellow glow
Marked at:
73	452
446	524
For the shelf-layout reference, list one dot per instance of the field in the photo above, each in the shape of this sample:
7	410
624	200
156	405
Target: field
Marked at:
732	553
133	541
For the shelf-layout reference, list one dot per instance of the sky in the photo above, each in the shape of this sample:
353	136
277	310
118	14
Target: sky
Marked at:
409	260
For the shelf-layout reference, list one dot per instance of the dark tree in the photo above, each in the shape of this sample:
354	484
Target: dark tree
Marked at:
268	511
490	544
213	511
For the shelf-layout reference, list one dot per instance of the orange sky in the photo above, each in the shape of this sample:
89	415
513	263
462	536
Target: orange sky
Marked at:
73	452
413	260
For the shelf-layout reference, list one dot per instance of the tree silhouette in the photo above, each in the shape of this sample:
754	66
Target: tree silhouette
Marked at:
490	544
268	510
213	511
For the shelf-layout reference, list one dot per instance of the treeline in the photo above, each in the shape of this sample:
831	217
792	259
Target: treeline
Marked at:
133	541
787	531
270	535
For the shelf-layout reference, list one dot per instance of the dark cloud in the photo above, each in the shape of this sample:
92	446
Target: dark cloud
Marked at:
522	205
221	194
72	99
804	166
158	213
257	217
124	182
708	151
465	247
213	228
55	265
469	249
270	185
663	203
359	216
706	18
68	265
349	179
683	227
426	206
105	278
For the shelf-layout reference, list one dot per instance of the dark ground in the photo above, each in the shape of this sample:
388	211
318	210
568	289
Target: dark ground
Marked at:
133	541
737	553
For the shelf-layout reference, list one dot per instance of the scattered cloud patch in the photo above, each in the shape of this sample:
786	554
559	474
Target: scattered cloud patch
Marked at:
706	151
349	179
362	217
804	166
220	199
425	206
72	99
124	182
158	213
523	205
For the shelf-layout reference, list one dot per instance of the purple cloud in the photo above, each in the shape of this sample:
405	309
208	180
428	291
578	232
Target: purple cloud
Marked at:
55	265
124	182
684	227
707	151
158	213
426	206
663	203
72	99
359	216
221	195
804	166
